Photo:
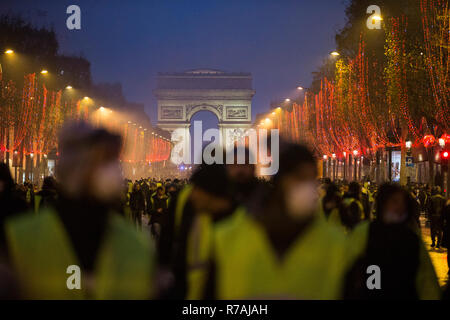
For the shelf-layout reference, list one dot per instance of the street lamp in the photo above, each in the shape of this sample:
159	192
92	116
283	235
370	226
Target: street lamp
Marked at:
44	71
287	100
408	144
9	51
300	88
69	87
335	53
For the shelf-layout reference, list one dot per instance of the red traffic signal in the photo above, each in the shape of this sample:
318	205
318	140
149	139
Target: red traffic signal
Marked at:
445	155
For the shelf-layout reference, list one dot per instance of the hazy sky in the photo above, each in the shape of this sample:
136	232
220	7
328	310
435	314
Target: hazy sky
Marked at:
279	41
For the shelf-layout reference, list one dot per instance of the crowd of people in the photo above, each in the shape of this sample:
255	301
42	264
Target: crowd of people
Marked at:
223	234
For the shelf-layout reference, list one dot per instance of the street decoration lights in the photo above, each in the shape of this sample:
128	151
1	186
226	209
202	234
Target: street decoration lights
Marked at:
408	144
428	140
441	142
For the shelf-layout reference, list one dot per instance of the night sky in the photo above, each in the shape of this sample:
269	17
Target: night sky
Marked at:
279	41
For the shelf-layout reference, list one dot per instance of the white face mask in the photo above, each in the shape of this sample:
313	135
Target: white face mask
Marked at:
107	182
301	200
393	218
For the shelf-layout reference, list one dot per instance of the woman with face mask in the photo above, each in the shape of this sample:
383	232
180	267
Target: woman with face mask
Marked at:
391	245
280	248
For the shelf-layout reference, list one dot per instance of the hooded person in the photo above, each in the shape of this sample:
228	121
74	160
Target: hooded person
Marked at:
392	244
84	232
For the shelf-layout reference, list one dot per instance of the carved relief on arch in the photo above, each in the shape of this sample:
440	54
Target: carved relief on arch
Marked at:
192	109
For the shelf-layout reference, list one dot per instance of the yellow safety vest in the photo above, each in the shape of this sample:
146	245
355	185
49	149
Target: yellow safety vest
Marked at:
248	268
41	253
199	251
183	198
335	219
427	284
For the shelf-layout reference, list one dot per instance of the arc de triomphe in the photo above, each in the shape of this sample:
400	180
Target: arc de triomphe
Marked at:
227	95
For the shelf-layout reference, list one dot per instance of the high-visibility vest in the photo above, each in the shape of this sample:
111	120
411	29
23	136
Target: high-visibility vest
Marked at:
41	253
182	199
199	251
335	219
427	284
248	268
37	203
198	255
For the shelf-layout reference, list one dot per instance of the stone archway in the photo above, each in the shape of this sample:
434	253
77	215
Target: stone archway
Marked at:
181	95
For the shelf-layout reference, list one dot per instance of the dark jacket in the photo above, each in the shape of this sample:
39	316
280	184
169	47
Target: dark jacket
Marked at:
137	201
159	209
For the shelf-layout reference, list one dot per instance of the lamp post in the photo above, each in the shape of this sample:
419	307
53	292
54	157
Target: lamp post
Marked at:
355	166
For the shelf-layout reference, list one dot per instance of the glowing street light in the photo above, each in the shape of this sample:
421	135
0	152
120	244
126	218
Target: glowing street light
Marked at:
86	98
9	51
335	53
287	100
102	109
441	143
355	153
69	87
300	88
408	144
44	71
325	157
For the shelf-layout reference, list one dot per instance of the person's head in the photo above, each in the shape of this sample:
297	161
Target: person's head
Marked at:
6	181
211	192
354	190
49	183
160	191
436	190
241	171
295	183
392	204
171	189
88	164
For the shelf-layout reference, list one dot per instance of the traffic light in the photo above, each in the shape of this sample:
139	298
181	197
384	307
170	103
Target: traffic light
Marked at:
445	156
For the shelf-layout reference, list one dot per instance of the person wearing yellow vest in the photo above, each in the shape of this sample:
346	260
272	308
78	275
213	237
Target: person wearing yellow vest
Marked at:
81	249
281	249
352	208
186	237
394	247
